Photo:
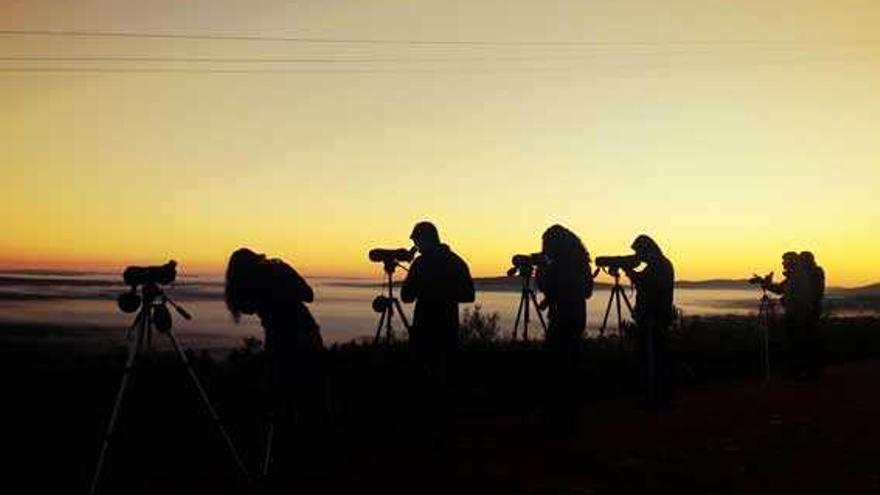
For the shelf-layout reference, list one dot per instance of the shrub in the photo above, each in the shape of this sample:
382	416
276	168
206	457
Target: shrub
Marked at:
477	326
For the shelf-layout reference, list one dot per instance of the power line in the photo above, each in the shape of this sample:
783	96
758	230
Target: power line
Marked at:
331	60
392	70
379	41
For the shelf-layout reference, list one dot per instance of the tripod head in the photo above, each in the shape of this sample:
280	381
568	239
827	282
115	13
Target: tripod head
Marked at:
391	258
525	265
145	294
612	271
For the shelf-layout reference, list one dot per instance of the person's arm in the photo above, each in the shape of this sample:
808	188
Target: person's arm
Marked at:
588	288
776	287
634	276
541	278
409	291
465	290
295	285
547	281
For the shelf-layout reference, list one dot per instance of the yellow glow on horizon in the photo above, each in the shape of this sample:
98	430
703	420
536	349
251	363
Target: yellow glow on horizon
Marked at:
728	155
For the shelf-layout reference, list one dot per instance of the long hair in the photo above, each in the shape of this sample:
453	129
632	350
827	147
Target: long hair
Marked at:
566	248
241	282
647	245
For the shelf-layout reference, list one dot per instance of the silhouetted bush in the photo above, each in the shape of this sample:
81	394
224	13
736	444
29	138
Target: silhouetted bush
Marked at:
477	326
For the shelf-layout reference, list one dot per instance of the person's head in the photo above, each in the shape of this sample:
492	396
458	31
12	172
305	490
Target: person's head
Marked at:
807	258
425	236
645	248
559	243
789	260
241	282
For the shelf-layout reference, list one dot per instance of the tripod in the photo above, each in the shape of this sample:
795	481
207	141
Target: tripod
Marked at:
154	313
527	297
387	305
617	293
766	318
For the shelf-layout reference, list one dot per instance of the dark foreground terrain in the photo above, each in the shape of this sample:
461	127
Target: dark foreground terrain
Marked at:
730	432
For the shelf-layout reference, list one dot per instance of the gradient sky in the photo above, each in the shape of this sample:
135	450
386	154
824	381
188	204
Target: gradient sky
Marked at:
730	131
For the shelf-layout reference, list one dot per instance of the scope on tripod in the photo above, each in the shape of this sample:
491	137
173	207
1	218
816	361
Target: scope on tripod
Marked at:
524	263
145	296
613	264
382	255
386	304
149	278
762	281
157	274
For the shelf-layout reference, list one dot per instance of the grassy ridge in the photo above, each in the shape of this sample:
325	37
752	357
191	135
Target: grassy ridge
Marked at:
60	400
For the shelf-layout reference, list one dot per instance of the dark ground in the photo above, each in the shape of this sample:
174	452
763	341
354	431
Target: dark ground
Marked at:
729	433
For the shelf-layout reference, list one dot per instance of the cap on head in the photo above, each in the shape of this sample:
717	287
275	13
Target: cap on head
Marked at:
425	233
644	244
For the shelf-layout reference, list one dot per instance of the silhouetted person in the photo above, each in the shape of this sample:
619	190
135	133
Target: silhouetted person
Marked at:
276	293
566	282
817	283
654	313
789	264
799	297
438	280
813	340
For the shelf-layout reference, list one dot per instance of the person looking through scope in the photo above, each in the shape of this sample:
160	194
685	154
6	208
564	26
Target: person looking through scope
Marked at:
654	312
437	281
566	281
276	293
802	291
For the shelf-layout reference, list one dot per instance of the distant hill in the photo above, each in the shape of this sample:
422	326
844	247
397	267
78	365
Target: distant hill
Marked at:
872	290
512	284
499	284
49	272
717	283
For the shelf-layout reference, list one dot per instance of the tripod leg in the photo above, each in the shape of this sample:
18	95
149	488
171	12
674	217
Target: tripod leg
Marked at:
379	327
764	322
519	310
619	314
389	330
622	293
626	300
652	362
402	314
607	312
114	416
526	319
767	351
538	310
270	435
208	405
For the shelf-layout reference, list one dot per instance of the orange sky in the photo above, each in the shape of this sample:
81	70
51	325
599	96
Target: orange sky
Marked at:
731	132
